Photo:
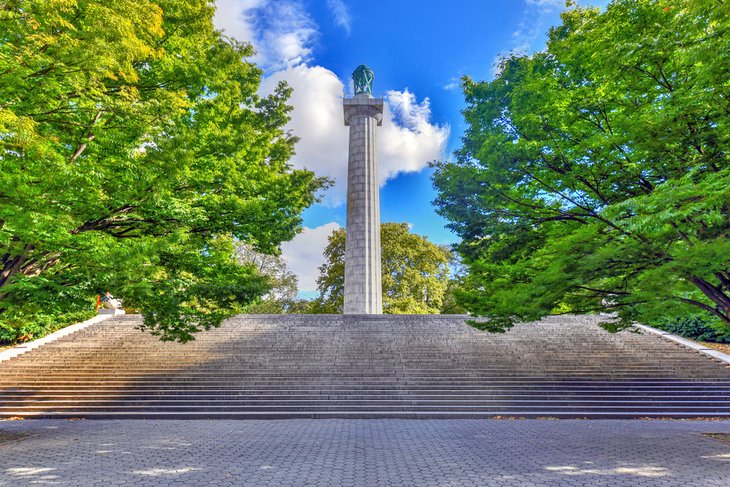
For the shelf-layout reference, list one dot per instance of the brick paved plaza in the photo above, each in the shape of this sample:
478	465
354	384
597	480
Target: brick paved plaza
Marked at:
364	453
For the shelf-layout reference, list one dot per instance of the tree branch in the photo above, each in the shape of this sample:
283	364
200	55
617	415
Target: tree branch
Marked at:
89	137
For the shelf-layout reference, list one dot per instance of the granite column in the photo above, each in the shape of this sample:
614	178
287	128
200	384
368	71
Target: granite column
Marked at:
363	287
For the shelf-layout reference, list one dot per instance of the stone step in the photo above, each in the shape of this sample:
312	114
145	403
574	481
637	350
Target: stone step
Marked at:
678	386
274	415
254	396
366	367
493	409
331	378
351	369
569	403
535	391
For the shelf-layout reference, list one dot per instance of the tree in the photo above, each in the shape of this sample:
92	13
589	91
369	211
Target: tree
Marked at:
283	290
594	176
133	150
450	304
415	273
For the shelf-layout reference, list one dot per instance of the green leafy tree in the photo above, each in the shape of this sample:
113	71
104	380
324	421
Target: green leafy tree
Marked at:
134	149
457	273
283	289
415	273
594	176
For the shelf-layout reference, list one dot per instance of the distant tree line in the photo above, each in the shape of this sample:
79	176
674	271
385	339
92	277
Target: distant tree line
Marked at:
418	276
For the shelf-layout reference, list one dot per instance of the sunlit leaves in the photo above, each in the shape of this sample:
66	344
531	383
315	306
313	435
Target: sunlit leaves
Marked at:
415	273
134	150
594	176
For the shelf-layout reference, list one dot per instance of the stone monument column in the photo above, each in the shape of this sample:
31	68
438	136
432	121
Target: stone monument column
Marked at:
363	287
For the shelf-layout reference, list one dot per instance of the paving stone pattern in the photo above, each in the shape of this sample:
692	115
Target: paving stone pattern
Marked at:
337	453
369	366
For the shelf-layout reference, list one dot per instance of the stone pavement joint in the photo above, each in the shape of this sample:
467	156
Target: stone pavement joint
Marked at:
365	453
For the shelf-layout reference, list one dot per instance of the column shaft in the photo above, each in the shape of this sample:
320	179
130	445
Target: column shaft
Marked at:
363	287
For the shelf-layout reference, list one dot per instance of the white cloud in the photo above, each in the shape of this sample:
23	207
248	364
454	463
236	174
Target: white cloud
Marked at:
537	16
340	14
281	31
235	18
407	141
304	254
286	36
453	84
283	35
318	121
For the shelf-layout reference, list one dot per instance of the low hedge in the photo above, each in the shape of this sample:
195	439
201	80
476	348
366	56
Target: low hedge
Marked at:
39	326
695	327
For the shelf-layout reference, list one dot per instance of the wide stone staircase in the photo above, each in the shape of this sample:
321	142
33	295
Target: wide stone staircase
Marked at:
333	366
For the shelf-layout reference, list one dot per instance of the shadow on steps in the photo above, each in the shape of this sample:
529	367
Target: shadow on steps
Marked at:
387	366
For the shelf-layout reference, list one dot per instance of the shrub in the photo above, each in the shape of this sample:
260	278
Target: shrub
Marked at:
695	327
39	326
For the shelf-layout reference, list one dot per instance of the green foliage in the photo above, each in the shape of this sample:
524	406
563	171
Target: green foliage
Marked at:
695	327
134	149
19	332
282	295
415	273
457	273
594	176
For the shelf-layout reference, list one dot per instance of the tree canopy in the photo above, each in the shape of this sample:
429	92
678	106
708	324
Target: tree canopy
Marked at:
594	176
134	150
415	273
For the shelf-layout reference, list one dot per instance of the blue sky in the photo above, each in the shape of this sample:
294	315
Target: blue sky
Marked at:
419	51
